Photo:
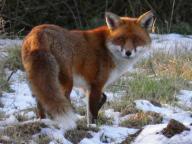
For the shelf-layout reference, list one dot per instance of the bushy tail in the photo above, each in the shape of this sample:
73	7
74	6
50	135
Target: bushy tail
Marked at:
42	69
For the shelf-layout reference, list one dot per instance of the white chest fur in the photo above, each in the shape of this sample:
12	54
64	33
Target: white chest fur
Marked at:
122	64
121	67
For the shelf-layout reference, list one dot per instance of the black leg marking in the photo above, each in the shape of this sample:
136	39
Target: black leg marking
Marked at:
100	104
103	100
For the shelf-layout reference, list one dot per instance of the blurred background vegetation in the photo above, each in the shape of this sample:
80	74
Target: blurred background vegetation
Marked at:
17	17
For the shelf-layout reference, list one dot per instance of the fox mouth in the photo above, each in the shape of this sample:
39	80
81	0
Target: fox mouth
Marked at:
128	57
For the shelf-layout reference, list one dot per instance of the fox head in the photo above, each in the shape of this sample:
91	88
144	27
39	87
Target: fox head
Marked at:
126	33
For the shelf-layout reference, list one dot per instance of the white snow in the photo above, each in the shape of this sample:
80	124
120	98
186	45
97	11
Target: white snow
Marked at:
78	97
8	121
152	135
171	42
109	134
109	113
4	43
185	98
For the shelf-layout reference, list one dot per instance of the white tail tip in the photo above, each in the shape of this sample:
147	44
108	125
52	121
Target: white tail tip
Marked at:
67	120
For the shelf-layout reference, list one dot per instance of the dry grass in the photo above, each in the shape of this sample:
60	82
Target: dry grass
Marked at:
21	117
82	131
122	106
22	133
177	65
102	119
75	136
81	110
4	85
13	59
42	139
140	119
13	62
2	115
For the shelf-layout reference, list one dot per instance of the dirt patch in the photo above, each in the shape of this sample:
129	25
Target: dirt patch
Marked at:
75	136
155	103
131	137
174	127
82	131
5	140
22	132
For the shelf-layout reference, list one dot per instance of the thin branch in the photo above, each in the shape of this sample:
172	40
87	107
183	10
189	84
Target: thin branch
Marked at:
8	79
131	7
78	14
70	9
17	20
3	5
170	22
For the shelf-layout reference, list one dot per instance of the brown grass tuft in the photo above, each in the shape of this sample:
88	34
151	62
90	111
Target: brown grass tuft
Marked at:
140	119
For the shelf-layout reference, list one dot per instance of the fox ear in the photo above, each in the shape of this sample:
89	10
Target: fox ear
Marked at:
112	20
146	20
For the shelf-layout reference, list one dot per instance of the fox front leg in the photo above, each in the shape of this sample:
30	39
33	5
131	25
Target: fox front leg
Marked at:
96	101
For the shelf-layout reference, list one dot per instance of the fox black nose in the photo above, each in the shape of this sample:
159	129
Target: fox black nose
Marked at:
128	53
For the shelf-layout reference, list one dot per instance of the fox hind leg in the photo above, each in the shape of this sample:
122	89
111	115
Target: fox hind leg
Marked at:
66	82
40	111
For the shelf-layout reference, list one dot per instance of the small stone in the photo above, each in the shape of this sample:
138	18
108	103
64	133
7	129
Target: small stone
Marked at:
155	103
174	127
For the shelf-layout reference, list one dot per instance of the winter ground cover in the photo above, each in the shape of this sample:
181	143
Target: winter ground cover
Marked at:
141	121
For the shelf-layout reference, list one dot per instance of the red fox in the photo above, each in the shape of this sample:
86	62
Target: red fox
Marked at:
56	59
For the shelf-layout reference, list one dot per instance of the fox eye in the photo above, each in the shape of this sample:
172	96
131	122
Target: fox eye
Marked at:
119	40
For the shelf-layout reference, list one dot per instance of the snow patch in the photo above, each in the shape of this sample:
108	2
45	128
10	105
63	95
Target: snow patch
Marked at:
114	96
111	114
151	134
185	98
167	112
109	134
8	121
21	98
4	43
